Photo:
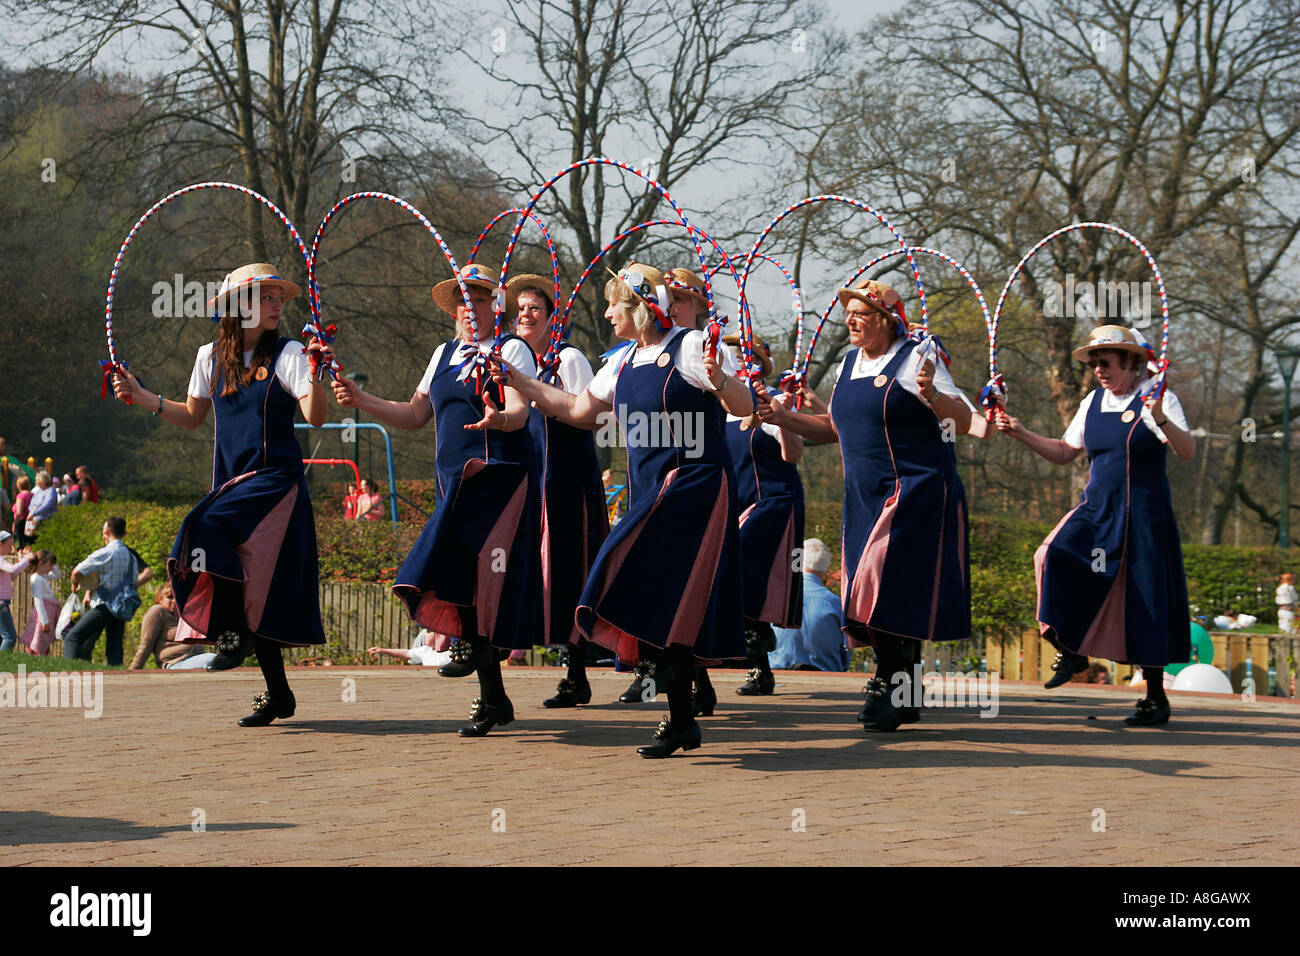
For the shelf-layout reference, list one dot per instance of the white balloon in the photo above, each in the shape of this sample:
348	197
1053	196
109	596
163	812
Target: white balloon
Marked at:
1203	677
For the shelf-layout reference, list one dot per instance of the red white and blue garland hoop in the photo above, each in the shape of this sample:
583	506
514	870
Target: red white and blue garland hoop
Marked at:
715	324
114	363
994	390
314	300
1154	388
792	380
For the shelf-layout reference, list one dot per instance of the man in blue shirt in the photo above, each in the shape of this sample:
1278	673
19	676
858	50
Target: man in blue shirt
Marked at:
818	643
121	571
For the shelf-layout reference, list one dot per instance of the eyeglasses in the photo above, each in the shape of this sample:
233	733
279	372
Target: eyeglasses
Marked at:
539	309
862	315
1099	363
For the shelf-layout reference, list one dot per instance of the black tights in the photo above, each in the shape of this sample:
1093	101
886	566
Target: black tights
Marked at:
228	615
677	669
270	659
577	672
491	686
1155	678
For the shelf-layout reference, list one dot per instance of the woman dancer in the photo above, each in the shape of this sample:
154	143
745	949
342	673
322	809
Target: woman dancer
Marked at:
906	572
639	600
574	519
243	568
473	573
1110	575
771	530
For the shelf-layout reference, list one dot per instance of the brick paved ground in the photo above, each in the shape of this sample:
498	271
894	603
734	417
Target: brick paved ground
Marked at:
385	780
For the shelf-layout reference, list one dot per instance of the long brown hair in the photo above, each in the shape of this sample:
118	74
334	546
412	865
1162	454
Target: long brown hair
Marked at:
228	355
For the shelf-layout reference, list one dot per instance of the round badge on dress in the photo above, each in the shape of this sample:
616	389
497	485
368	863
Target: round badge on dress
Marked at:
261	373
663	360
880	380
1128	416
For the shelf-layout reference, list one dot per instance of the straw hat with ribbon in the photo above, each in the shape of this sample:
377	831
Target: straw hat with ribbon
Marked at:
446	294
687	283
1115	337
762	353
878	294
540	284
247	277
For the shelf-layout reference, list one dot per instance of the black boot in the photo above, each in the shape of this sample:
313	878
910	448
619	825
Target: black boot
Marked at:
267	706
635	693
1066	666
483	717
233	647
464	659
761	683
670	738
569	694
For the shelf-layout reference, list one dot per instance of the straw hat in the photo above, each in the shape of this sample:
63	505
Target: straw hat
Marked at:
688	283
540	284
1115	337
874	293
761	352
446	294
253	274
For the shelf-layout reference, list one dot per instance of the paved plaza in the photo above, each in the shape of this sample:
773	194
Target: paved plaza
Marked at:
165	777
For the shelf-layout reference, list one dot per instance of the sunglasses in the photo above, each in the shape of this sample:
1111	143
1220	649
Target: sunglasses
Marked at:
1100	363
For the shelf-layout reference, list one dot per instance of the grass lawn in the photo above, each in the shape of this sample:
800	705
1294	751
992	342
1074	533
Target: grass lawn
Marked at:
9	661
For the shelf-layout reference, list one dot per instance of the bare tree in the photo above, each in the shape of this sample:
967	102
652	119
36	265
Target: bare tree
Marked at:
679	86
276	93
998	121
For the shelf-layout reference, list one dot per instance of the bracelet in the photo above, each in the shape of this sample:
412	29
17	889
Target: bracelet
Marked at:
1161	424
159	412
716	389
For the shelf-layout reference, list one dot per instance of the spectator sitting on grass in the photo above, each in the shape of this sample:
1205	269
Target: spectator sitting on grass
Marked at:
158	637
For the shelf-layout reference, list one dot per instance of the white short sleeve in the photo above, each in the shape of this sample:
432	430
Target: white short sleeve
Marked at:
574	371
602	383
201	377
291	368
690	360
518	354
1074	431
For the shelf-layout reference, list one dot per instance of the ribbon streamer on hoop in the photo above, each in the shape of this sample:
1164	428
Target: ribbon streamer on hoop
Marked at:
994	390
114	363
795	383
1153	388
715	322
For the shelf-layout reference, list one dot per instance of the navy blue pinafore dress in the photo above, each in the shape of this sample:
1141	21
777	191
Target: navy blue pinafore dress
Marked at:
906	567
1110	575
574	519
480	547
770	495
255	526
669	572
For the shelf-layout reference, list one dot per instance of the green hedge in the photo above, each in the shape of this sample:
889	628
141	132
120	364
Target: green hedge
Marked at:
1003	598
